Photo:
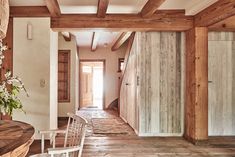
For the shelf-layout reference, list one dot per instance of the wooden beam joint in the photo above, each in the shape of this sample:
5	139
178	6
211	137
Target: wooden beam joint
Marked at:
53	7
151	7
215	13
121	40
102	8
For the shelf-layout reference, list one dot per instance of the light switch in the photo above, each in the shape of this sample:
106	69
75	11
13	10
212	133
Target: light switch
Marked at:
42	83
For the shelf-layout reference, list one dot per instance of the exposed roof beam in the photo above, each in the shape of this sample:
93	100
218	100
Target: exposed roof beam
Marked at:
32	11
165	20
121	39
215	13
53	7
151	7
102	8
67	36
94	42
225	25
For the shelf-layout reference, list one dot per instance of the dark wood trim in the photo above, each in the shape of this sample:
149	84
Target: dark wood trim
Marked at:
69	76
53	7
63	118
102	8
217	12
151	7
121	40
104	74
164	20
8	54
32	11
95	40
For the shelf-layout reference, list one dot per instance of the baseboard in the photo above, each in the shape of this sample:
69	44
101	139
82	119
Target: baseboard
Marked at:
123	119
160	134
63	118
136	131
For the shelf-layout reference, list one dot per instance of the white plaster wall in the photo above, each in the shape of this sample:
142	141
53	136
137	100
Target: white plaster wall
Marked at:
111	81
32	61
53	79
71	106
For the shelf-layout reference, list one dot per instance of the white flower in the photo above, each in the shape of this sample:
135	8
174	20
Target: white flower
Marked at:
8	74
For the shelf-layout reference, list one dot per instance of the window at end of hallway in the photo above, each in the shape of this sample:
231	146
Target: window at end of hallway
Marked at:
120	64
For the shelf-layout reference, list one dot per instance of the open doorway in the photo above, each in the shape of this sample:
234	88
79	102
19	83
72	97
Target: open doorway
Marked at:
91	84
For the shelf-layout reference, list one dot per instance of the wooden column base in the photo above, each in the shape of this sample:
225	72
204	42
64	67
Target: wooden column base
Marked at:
196	142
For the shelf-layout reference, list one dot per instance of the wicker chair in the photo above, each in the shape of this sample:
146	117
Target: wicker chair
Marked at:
74	139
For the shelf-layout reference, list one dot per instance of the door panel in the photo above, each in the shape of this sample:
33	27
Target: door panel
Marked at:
86	86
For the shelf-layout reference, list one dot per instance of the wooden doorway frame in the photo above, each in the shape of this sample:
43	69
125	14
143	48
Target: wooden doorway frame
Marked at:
104	71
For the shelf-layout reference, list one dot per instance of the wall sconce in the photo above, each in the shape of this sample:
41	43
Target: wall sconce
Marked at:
29	31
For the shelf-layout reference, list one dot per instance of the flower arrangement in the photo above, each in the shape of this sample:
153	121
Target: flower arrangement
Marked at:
10	87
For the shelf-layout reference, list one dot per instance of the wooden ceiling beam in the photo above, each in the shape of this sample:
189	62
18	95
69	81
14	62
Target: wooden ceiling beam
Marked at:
163	21
53	7
102	8
121	40
67	36
225	25
151	7
94	42
215	13
33	11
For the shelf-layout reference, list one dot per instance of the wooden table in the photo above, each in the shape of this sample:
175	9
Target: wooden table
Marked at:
15	138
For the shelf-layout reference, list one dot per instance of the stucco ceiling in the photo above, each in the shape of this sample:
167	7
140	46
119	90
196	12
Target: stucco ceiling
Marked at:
118	6
27	2
191	7
105	38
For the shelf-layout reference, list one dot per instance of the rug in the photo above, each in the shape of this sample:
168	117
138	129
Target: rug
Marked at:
109	126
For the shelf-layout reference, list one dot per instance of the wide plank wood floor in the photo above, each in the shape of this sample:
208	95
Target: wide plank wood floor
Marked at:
130	145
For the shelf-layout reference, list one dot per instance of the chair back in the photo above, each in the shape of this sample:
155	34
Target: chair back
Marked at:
76	130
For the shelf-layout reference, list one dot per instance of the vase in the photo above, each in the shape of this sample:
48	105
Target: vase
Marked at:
6	117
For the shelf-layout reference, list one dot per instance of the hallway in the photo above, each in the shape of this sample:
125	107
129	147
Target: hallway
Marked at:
130	145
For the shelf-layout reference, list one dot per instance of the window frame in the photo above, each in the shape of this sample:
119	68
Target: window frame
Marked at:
120	61
68	52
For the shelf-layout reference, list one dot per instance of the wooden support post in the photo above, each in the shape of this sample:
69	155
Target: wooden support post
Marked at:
196	104
8	54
